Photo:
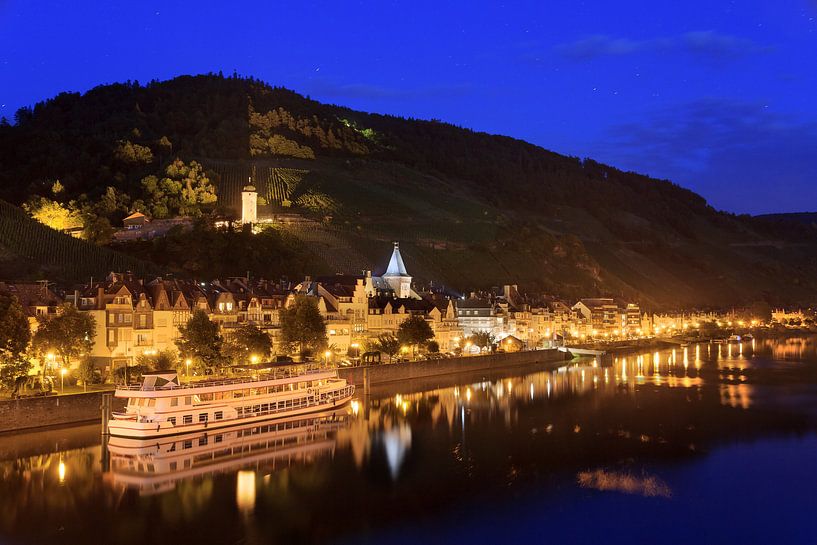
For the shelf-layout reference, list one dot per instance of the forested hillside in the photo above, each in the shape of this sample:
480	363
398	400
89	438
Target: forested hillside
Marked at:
472	209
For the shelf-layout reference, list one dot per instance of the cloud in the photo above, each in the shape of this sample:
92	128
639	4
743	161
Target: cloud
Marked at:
741	155
701	43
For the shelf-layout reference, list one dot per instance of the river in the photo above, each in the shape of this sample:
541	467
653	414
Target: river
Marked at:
703	444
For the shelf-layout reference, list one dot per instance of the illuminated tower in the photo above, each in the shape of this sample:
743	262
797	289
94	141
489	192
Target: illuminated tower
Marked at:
249	203
396	275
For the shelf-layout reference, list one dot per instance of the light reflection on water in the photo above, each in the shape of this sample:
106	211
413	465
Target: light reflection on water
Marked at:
477	435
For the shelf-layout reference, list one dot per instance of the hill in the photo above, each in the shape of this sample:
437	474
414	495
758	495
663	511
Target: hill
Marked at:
471	209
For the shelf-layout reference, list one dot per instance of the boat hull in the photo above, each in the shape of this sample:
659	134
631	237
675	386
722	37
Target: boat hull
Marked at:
148	430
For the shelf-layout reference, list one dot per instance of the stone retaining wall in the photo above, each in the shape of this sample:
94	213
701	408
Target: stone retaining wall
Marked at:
36	412
420	369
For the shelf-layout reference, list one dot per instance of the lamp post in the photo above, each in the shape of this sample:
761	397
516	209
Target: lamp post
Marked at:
63	371
327	355
187	363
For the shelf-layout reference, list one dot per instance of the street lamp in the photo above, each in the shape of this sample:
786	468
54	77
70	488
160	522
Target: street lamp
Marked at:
327	355
63	371
187	362
254	359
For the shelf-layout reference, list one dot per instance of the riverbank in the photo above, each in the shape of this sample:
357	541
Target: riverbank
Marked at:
41	412
620	347
408	371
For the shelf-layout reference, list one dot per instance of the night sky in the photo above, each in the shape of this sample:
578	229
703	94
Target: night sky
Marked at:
718	96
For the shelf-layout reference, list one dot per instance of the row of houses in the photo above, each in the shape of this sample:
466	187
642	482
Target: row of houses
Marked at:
136	317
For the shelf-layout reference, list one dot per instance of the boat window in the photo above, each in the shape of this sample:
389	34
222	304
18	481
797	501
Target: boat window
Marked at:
218	396
237	393
203	417
188	419
174	401
172	420
202	440
187	463
151	402
188	444
173	466
246	392
206	397
218	438
187	400
218	415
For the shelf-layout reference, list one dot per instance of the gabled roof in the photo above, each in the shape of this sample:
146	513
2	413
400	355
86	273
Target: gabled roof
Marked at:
396	266
135	216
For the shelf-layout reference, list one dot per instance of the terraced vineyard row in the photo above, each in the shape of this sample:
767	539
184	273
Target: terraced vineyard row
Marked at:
72	258
275	184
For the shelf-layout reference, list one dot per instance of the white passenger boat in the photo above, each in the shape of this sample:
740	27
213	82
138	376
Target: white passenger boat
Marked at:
162	405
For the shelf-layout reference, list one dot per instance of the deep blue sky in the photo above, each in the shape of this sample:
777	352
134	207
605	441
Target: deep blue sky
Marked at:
719	96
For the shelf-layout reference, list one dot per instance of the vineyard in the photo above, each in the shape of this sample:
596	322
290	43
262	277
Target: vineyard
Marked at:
275	184
62	256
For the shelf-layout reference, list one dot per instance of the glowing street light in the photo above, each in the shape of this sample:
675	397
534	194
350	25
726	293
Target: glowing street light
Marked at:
63	372
254	359
187	363
327	355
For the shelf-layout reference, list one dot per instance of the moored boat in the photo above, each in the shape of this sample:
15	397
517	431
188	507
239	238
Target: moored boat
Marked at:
162	405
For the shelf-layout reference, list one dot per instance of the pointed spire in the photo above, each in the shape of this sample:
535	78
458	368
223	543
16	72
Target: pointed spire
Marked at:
396	266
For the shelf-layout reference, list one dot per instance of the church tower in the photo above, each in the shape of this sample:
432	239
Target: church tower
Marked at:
396	275
249	203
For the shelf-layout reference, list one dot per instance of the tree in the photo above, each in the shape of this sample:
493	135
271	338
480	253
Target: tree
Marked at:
164	360
482	339
415	331
69	334
15	332
52	213
14	337
183	190
388	344
247	341
761	311
303	325
200	340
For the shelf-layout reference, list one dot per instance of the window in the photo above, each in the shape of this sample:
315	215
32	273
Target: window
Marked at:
188	444
218	415
172	420
202	440
203	417
206	397
173	466
218	439
151	402
187	419
187	400
174	401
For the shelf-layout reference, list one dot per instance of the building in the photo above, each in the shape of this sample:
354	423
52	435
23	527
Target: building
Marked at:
131	319
137	220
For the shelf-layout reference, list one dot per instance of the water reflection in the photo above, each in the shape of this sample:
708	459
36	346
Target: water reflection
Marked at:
408	449
156	465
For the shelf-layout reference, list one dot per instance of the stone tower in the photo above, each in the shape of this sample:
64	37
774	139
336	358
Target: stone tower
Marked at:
396	275
249	203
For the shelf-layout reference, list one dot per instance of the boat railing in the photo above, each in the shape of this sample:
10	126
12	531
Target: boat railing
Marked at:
274	375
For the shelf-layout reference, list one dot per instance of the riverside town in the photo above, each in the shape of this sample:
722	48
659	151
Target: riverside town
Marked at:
408	273
130	325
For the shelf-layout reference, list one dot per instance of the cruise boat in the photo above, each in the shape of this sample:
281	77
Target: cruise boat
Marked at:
154	466
162	405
